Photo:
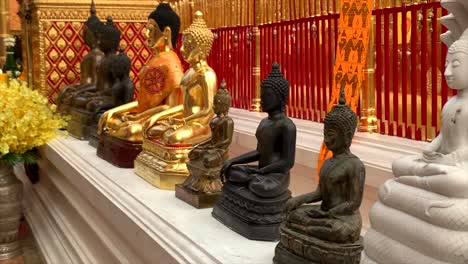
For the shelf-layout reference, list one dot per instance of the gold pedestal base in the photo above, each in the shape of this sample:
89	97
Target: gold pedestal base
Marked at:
368	122
255	106
161	165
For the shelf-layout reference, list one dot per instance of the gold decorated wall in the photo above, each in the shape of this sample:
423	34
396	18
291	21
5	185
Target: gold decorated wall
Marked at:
57	46
222	13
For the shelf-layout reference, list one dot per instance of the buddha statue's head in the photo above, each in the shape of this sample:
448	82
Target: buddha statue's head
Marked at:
163	23
121	65
110	37
197	40
456	63
222	100
339	125
92	28
274	91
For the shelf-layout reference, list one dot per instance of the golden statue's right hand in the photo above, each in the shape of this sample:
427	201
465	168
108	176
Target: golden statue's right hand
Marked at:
103	122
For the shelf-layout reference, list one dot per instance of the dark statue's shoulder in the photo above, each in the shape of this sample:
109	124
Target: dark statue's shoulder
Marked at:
288	124
357	162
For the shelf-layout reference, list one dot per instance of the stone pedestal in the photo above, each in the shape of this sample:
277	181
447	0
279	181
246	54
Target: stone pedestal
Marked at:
162	165
297	248
251	216
118	152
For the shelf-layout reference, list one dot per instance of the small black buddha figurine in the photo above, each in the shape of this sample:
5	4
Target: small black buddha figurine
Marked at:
254	195
122	91
328	232
203	187
87	103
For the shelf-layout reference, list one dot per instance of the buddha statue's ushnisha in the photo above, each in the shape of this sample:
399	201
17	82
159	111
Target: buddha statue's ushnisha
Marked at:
328	232
88	103
121	127
88	66
171	134
254	195
421	215
203	187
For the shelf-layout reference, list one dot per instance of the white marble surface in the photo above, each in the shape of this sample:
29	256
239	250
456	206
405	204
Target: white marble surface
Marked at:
188	234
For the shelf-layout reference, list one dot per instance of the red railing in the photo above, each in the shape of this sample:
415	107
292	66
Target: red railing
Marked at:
232	58
410	90
305	49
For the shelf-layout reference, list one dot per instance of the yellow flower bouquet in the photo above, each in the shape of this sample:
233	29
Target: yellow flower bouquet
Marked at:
27	121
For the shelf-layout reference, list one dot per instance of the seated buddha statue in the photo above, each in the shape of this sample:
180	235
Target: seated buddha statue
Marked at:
88	66
328	232
120	128
254	195
171	134
421	215
122	91
203	187
88	102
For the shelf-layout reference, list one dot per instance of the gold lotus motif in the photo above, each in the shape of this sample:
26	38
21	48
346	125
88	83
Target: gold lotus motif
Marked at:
52	33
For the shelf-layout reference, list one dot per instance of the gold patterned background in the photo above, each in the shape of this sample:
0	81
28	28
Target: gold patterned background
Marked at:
57	46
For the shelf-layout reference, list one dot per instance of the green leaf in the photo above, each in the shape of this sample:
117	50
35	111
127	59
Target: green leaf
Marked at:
29	157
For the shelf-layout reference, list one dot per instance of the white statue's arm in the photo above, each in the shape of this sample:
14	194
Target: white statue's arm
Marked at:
434	146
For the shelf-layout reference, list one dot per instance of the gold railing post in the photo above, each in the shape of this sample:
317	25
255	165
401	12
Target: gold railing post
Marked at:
256	69
4	22
368	122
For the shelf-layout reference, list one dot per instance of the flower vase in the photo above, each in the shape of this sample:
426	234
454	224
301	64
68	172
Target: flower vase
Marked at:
11	196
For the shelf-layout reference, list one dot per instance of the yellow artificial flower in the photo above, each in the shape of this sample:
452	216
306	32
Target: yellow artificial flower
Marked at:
26	119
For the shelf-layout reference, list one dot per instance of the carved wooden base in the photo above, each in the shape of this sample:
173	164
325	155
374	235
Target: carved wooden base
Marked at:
251	216
80	124
118	152
161	165
196	199
298	248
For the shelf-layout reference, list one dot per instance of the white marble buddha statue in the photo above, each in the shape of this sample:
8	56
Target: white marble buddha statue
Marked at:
422	214
442	167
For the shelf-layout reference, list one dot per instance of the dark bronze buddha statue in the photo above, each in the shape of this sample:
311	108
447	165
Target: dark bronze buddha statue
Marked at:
86	104
88	66
328	232
123	91
254	195
203	186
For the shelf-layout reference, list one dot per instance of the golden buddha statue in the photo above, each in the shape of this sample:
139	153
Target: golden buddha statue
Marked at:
203	187
170	134
88	66
120	128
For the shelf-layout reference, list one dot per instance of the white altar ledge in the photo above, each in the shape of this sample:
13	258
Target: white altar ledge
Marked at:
84	210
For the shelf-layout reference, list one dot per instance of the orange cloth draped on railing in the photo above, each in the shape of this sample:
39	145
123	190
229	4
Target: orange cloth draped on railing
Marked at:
351	56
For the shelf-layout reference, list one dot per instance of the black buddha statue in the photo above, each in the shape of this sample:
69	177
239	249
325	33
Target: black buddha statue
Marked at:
88	67
254	195
88	103
123	91
328	232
